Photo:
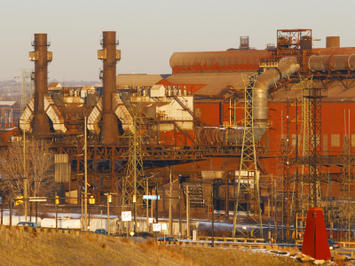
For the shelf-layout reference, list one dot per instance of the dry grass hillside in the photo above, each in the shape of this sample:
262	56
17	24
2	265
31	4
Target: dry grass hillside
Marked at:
30	248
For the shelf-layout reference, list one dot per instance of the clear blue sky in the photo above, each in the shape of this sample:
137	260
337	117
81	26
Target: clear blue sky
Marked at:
151	30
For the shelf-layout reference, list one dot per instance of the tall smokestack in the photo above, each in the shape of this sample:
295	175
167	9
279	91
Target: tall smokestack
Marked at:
110	56
41	56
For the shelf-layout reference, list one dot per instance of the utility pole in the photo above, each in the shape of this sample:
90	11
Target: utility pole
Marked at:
147	203
170	202
275	208
108	214
268	219
56	211
187	212
2	212
108	200
134	196
226	193
25	180
85	176
152	206
180	198
82	211
156	204
212	196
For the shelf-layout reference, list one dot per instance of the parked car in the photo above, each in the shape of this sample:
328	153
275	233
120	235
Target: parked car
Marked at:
167	238
144	234
332	244
101	231
27	224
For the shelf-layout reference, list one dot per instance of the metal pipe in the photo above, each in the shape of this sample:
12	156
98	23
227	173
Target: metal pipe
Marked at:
109	55
325	63
286	67
41	56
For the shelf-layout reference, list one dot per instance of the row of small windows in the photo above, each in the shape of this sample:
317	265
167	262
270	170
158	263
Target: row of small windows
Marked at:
334	140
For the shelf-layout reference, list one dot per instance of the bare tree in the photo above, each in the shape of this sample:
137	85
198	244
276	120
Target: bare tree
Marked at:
39	167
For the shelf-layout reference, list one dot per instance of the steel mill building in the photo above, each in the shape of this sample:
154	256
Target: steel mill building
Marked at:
266	132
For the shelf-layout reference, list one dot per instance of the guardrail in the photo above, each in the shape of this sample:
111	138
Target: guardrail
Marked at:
204	243
43	229
233	239
277	248
344	244
347	244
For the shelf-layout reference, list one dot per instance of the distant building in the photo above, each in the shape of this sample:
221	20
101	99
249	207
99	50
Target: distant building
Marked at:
55	86
9	113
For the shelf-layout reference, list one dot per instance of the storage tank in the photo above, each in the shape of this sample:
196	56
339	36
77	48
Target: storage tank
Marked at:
333	41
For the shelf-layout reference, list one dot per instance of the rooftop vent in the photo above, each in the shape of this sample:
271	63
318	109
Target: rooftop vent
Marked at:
244	43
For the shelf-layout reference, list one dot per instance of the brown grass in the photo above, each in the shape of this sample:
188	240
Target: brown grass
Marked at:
25	248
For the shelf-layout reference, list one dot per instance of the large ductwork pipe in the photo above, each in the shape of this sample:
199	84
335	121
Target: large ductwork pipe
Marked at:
41	56
286	67
325	63
110	56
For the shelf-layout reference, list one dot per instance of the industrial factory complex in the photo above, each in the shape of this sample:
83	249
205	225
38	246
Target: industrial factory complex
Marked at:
251	138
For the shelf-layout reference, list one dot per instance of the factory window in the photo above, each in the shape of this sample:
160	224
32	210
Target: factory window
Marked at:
335	140
310	138
294	140
352	140
325	142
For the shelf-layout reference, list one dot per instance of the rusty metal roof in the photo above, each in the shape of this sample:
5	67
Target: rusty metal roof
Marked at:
214	83
220	58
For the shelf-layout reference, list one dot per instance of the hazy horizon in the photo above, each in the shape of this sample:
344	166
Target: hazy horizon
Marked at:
150	31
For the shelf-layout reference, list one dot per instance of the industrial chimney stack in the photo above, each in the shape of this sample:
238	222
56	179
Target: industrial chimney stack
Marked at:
110	56
41	56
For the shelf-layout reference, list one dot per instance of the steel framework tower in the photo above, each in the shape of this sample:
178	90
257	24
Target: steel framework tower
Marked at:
26	87
348	177
285	200
305	140
315	96
133	182
248	176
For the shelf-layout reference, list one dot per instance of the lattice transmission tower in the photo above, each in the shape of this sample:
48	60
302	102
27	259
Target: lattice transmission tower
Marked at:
248	189
133	182
314	96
